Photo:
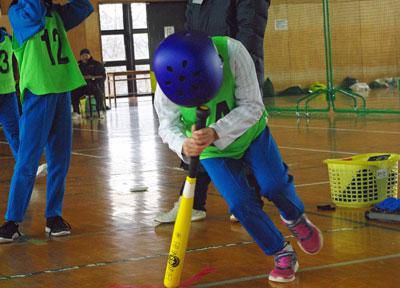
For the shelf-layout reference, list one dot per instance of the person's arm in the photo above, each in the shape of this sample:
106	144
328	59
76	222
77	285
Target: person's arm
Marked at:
188	16
249	27
249	105
100	71
74	12
27	17
170	128
251	19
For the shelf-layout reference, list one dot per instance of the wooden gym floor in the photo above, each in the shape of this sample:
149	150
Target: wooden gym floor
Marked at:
115	242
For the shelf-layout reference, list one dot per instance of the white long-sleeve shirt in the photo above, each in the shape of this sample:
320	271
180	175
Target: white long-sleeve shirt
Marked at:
249	105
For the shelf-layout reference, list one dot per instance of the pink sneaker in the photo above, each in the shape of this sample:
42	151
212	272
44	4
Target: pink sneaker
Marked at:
308	236
286	265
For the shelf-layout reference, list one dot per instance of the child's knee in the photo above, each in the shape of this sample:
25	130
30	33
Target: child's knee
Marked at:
242	209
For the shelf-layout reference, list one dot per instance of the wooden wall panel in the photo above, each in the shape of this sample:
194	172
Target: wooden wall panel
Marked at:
92	33
380	46
276	47
365	41
4	22
295	56
347	56
77	39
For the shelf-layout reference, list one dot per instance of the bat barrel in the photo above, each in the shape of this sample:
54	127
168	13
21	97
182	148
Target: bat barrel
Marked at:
180	235
180	239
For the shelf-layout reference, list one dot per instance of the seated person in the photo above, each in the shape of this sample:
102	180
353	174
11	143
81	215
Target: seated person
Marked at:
94	73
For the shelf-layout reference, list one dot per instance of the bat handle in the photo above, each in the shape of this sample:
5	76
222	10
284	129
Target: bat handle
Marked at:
201	114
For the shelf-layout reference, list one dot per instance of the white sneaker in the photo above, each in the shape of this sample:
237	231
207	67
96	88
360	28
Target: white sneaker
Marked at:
102	115
75	116
198	215
233	219
41	171
170	216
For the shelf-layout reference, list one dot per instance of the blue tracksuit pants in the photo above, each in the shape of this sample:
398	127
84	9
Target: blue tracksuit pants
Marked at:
275	183
45	124
9	118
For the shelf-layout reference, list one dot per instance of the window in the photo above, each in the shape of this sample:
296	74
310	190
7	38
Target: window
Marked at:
139	16
113	47
111	17
141	46
125	44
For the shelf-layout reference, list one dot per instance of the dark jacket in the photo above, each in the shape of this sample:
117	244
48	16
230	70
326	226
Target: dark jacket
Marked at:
244	20
93	68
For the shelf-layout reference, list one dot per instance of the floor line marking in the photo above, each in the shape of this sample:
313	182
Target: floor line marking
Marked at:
213	284
361	130
126	260
88	155
313	268
90	130
317	150
6	157
311	184
89	149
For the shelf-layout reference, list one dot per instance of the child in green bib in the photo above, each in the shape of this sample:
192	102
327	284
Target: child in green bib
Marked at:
9	114
187	68
9	111
48	72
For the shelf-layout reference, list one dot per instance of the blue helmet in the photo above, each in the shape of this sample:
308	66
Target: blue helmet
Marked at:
188	68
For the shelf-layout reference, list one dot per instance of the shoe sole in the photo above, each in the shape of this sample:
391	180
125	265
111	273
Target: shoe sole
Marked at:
164	222
320	237
285	280
7	240
43	172
58	234
194	219
233	219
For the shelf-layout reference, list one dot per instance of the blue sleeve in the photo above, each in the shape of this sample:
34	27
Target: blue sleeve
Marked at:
27	18
74	12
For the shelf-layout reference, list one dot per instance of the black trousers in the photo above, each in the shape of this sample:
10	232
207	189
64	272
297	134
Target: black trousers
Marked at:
89	89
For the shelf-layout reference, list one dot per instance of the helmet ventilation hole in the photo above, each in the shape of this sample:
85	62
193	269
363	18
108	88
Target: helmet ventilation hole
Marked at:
196	74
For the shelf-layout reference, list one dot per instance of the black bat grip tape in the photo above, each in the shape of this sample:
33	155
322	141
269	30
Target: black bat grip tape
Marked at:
202	113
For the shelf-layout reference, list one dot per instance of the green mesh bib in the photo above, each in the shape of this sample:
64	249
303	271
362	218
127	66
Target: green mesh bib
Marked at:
46	62
219	106
7	82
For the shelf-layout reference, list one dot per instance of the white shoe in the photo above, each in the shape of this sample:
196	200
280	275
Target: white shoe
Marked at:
102	115
41	171
233	219
170	216
198	215
75	116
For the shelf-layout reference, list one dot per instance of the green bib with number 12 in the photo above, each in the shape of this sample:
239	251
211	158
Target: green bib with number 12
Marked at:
7	82
46	62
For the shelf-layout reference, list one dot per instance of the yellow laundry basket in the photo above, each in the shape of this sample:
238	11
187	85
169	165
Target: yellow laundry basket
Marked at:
363	180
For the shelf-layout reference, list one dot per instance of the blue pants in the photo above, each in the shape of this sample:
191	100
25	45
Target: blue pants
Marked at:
275	183
9	118
45	123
